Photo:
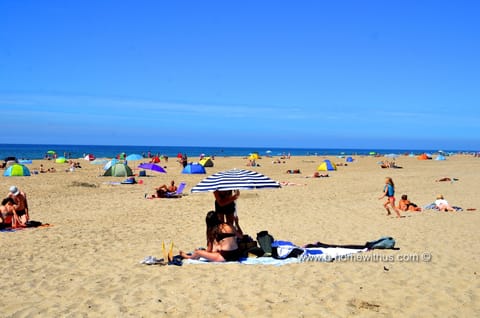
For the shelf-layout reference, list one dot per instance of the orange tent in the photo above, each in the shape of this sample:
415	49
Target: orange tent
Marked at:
423	157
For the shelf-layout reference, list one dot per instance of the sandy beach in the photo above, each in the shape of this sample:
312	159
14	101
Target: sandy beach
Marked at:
87	262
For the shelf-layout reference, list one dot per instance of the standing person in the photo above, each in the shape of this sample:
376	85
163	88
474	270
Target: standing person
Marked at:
21	204
225	205
389	192
184	160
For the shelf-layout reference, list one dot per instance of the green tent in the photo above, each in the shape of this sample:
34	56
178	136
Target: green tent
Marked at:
119	170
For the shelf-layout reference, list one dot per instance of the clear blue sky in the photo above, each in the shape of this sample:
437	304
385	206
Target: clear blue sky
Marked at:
329	74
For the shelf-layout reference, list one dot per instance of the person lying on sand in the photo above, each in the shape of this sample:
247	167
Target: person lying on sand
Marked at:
443	205
406	205
446	179
318	175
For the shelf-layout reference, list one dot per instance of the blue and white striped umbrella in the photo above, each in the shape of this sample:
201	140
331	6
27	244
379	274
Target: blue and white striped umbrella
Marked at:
235	179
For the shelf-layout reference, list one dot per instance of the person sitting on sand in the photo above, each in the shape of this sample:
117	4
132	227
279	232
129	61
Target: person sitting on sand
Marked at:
442	204
20	205
161	191
221	242
6	213
406	205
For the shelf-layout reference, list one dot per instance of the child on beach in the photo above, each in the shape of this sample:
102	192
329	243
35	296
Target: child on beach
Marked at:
389	192
406	205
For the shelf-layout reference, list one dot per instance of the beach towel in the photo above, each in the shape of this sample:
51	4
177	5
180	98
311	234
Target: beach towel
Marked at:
320	254
33	224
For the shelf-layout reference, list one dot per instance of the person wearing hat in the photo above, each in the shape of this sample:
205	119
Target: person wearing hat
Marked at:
21	204
442	204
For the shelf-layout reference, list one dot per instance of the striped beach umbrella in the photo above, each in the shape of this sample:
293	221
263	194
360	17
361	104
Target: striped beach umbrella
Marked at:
235	179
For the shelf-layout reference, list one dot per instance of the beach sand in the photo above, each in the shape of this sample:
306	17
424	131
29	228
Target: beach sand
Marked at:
87	262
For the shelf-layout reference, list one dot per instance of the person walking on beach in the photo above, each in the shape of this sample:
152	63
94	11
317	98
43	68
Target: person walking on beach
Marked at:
389	192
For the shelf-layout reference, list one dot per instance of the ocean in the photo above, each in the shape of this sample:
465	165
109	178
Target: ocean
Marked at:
30	151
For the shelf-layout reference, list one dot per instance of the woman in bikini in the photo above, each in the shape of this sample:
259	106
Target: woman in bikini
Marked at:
221	242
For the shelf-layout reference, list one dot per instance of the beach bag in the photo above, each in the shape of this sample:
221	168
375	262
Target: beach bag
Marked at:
247	246
246	242
385	242
265	241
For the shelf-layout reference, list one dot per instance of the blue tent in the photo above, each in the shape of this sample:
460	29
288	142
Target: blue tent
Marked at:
440	157
194	168
349	159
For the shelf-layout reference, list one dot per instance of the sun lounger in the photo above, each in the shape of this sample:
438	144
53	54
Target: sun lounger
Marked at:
178	193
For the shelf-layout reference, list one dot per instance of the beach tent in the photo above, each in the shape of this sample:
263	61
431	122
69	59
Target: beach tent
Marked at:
10	161
254	156
206	162
349	159
423	157
16	170
14	159
99	161
440	157
327	165
194	168
110	163
61	160
119	170
89	157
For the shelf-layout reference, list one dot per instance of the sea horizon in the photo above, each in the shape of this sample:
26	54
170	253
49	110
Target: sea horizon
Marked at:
39	151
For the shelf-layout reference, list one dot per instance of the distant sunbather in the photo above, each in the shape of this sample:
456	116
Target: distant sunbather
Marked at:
443	205
293	171
161	191
318	175
446	179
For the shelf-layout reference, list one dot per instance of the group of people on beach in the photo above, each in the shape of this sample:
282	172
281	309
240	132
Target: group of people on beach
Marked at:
14	209
223	230
405	204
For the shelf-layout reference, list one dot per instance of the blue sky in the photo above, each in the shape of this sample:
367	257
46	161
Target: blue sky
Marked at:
329	74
